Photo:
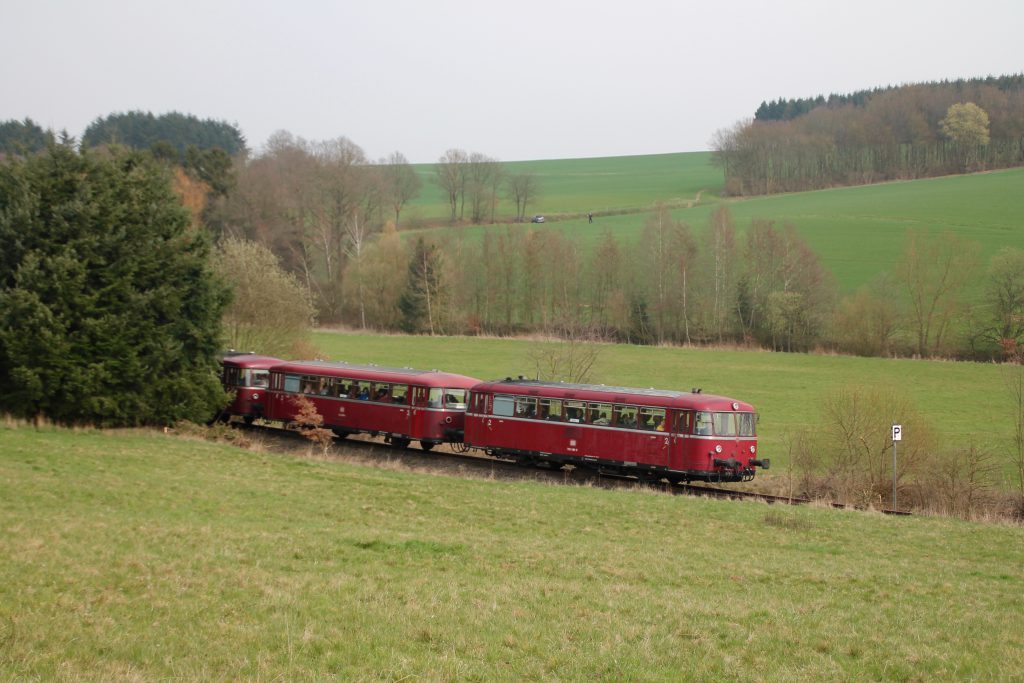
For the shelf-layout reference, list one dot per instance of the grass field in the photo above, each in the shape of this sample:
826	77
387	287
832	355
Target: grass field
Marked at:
858	232
578	186
137	556
966	402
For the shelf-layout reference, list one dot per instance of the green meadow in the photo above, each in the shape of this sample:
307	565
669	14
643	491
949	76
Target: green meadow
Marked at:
858	232
137	556
967	403
601	184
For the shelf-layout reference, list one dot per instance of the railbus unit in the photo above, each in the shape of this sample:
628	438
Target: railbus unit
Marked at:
400	404
647	433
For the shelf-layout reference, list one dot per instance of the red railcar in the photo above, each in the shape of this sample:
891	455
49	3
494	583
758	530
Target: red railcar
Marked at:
400	404
248	375
649	433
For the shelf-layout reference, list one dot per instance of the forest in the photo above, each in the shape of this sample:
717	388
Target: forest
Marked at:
897	133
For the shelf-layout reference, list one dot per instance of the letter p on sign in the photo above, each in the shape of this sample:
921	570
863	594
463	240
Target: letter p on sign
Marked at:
897	432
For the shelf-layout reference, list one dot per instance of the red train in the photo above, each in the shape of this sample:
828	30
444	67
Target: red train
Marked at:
248	376
647	433
400	404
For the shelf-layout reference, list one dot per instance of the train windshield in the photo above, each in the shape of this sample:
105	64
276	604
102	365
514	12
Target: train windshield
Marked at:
455	399
258	378
748	424
726	424
452	399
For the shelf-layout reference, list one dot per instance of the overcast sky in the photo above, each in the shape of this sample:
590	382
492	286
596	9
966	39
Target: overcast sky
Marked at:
514	80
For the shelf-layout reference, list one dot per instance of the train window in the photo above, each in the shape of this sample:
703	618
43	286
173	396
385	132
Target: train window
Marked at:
725	424
382	392
574	411
455	399
400	393
435	397
747	424
625	417
526	406
292	383
550	409
231	377
259	378
504	406
702	425
599	413
652	419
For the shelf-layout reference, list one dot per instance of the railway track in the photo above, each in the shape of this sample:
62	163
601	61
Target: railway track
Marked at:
446	459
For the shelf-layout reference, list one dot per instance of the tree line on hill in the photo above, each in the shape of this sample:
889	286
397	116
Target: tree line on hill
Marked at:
898	133
762	287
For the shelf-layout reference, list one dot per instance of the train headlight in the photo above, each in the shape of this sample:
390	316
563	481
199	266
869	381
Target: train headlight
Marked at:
753	449
255	397
718	448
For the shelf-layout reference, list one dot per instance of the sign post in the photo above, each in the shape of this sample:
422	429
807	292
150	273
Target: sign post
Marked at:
897	435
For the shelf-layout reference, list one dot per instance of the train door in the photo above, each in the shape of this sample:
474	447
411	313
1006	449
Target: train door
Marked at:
418	414
679	426
656	441
400	412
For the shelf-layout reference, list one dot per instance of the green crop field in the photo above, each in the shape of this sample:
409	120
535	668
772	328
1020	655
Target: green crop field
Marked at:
578	186
858	232
966	402
138	556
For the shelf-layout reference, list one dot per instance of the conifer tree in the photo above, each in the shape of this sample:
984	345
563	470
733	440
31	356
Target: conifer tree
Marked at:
108	312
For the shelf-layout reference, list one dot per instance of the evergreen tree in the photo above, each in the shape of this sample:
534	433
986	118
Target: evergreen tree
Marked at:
108	312
143	130
23	137
419	302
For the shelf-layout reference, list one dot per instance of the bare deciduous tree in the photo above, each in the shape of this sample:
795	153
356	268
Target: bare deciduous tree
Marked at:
450	174
523	188
401	183
933	273
570	360
270	311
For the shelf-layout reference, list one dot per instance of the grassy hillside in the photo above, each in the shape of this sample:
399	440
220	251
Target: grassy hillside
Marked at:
857	231
578	186
140	556
967	402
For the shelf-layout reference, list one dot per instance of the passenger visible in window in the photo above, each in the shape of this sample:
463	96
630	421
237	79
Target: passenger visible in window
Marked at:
364	394
382	394
573	414
702	425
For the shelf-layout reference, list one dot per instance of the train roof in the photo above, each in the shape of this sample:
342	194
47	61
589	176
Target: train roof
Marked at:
249	360
376	372
614	394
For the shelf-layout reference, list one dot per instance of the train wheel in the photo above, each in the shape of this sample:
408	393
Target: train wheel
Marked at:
248	419
426	445
400	443
341	433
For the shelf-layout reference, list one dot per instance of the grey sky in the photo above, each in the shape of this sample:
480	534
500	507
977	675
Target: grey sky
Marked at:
514	80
